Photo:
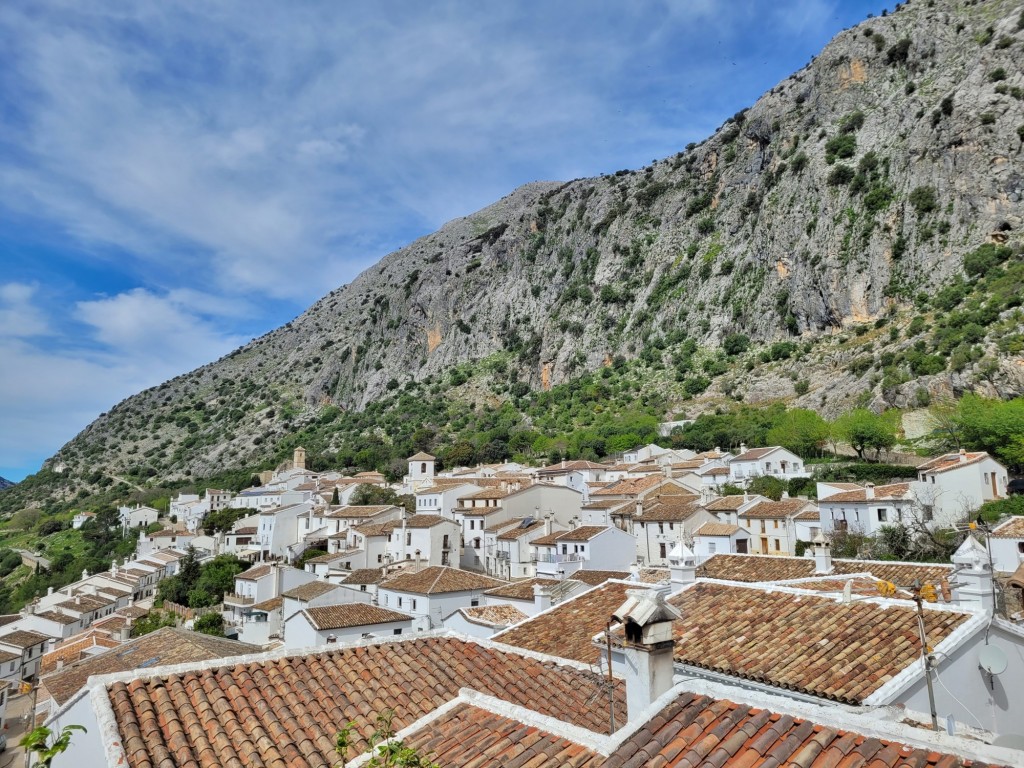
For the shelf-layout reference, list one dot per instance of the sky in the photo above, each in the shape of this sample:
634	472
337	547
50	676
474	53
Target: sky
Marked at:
177	179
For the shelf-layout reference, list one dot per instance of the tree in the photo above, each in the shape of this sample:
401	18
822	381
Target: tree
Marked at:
46	744
736	344
367	494
765	485
864	429
308	555
335	497
153	621
222	519
802	431
996	426
210	624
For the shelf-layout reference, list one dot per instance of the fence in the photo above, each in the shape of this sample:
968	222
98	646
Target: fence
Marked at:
187	613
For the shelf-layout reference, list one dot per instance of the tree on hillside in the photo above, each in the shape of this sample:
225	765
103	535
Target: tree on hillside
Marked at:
374	494
802	431
996	426
864	429
769	486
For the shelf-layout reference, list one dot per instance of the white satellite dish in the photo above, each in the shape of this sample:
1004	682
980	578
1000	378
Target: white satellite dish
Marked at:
992	660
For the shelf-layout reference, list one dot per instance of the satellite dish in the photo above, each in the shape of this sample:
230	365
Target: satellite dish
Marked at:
992	660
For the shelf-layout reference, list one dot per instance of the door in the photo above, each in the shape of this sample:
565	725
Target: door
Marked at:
764	545
741	546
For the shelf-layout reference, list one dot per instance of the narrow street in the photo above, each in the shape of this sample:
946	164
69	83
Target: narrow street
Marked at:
17	725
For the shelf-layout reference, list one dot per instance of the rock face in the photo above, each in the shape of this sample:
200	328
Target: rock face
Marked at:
851	187
5	484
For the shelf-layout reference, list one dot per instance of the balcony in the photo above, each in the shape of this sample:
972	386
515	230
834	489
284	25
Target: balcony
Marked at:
573	558
238	600
501	555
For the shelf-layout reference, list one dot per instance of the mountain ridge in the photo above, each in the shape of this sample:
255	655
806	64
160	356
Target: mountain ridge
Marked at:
836	202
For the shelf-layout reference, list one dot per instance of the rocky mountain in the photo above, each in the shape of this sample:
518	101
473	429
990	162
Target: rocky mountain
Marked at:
829	223
5	484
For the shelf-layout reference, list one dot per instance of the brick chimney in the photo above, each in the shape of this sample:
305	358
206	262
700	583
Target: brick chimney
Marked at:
647	623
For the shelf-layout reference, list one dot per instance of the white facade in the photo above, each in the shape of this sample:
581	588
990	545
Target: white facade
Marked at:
137	516
774	461
588	548
442	499
426	539
956	485
300	631
719	538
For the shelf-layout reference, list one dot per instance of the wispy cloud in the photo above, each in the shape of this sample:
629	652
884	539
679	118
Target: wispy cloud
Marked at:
209	159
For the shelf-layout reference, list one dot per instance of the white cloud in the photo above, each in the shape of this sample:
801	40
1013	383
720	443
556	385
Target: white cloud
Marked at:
134	340
18	317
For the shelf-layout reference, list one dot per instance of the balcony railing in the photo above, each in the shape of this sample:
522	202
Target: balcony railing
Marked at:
233	599
573	558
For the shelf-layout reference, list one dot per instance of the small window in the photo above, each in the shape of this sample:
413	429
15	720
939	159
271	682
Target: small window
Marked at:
362	587
775	523
423	467
414	603
777	547
398	631
399	602
712	547
474	602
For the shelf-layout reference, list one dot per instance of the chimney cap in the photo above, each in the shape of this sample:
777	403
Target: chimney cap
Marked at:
645	607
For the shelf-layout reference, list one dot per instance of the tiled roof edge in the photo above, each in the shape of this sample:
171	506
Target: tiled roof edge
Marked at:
106	722
867	723
887	692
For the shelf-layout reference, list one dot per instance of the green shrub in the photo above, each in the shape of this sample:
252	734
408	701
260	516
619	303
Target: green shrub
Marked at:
987	118
924	200
798	163
878	198
706	225
695	385
996	75
841	174
842	146
898	53
985	259
736	344
852	122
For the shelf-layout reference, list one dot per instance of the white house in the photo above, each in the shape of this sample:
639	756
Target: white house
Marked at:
168	538
426	539
277	533
342	624
434	593
660	522
573	474
421	471
137	516
28	647
1007	543
957	484
510	550
715	538
870	507
441	497
773	461
589	547
259	584
81	519
771	525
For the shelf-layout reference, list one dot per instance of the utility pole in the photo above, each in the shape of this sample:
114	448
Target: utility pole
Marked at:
926	655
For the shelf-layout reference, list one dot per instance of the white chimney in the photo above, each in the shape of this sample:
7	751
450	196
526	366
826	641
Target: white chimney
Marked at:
60	664
647	646
963	455
541	597
743	448
973	575
869	491
634	573
682	566
822	555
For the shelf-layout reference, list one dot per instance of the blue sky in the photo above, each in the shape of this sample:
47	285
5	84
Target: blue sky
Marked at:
178	178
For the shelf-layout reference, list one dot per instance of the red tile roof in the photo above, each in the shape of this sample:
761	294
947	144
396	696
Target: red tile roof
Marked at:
775	509
951	461
286	711
766	568
351	615
630	486
1011	529
815	645
439	579
756	453
493	615
520	590
893	491
717	529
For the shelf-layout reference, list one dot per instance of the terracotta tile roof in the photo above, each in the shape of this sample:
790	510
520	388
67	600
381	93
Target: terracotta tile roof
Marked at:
286	711
654	575
630	486
519	530
1011	529
596	578
951	461
717	472
133	611
859	585
111	623
309	590
775	509
792	641
699	730
425	521
808	514
571	466
446	484
268	605
6	656
494	615
481	511
165	646
520	590
729	503
487	493
670	509
257	572
771	568
716	529
471	736
248	530
376	529
23	638
85	603
359	511
439	579
756	453
583	533
56	616
568	628
81	646
351	615
881	493
605	503
365	576
549	540
325	559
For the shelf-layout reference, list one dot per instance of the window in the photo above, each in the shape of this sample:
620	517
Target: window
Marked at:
408	538
775	523
1020	547
398	631
414	603
362	587
712	547
423	467
380	558
399	602
777	547
474	602
763	527
661	550
661	527
883	517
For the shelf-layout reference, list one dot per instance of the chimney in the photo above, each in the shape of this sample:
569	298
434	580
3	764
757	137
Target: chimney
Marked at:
822	555
331	639
963	455
682	566
973	575
78	599
785	494
639	507
743	448
869	491
60	664
647	623
563	463
541	597
634	573
49	590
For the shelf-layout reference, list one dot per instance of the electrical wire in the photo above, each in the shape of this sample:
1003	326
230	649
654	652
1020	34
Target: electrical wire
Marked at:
962	705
